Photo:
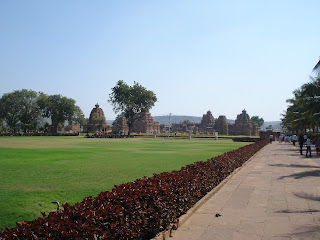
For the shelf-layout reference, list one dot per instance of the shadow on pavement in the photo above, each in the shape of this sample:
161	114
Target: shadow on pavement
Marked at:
293	155
315	173
299	211
307	196
307	232
293	165
288	149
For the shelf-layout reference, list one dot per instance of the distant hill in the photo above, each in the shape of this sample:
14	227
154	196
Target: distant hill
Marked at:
274	124
176	119
109	122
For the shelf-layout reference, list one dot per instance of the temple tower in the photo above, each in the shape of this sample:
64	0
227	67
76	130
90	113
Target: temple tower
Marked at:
222	125
97	120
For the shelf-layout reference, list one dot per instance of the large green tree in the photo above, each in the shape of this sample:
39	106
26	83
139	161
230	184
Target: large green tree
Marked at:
257	120
131	101
20	107
58	108
79	117
2	128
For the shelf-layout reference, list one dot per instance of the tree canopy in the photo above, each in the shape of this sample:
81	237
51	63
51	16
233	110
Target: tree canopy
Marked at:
131	101
58	108
257	120
20	107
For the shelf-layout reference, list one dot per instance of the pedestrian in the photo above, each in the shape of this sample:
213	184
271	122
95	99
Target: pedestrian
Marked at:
301	142
308	144
317	145
294	139
286	139
271	138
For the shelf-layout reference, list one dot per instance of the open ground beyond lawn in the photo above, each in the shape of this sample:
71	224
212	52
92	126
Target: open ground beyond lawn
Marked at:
34	171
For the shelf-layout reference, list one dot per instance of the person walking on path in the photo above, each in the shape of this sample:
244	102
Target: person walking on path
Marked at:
301	142
308	144
317	145
271	138
294	139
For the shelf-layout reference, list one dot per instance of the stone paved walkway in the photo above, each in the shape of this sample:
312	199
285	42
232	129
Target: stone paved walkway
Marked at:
275	196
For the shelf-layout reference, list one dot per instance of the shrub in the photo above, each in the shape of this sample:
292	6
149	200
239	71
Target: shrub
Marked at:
245	139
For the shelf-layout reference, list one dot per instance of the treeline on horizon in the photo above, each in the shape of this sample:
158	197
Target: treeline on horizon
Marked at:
28	110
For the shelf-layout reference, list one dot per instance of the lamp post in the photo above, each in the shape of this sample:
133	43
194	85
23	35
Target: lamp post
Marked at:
169	125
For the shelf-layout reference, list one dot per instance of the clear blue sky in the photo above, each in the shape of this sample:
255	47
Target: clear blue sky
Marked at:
223	56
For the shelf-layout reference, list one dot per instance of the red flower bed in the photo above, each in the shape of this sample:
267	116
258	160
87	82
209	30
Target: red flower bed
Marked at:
135	210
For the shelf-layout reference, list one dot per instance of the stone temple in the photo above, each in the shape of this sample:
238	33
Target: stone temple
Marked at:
222	125
144	124
97	120
243	126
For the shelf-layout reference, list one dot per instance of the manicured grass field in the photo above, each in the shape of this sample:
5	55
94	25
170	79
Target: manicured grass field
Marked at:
34	171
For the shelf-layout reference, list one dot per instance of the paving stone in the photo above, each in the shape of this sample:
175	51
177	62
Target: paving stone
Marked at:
199	221
316	216
277	226
187	235
251	227
237	203
219	232
245	236
301	219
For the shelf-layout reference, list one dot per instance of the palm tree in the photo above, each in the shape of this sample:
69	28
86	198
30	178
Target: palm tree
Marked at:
317	69
304	110
311	93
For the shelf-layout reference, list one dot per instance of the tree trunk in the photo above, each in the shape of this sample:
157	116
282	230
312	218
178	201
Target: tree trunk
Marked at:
54	129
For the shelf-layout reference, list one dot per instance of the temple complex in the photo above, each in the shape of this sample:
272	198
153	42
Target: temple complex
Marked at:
120	126
184	127
209	125
70	128
144	124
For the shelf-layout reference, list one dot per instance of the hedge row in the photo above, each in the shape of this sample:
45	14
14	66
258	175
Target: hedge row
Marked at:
38	134
135	210
245	139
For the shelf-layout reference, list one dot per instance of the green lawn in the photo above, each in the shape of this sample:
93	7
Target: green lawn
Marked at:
34	171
